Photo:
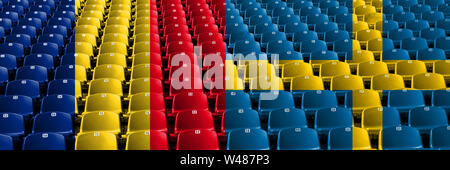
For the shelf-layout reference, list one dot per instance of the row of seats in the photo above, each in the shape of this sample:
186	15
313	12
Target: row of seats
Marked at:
182	27
324	45
37	74
345	138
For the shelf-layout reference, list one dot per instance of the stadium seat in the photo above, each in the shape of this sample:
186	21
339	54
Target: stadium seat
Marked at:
44	141
399	138
96	141
248	139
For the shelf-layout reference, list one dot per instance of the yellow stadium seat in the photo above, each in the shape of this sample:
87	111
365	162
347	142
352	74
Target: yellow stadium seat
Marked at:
88	38
84	48
364	98
118	21
101	121
375	45
259	68
140	71
96	141
139	121
123	2
83	60
142	37
141	47
357	3
266	83
361	140
373	18
367	35
364	9
372	68
372	119
334	68
307	83
103	102
139	102
139	86
361	56
387	82
112	58
109	71
120	13
114	47
141	58
80	73
428	81
356	45
118	29
122	38
298	68
442	67
143	28
142	20
347	82
78	91
122	7
90	21
138	141
96	2
359	26
86	29
105	86
233	83
94	8
410	67
93	14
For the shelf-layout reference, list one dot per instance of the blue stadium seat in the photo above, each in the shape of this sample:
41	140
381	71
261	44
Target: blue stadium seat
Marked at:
44	60
61	86
298	139
44	141
331	118
400	138
25	29
279	46
248	139
426	118
34	72
431	54
35	22
285	118
441	98
23	39
28	88
6	23
396	54
404	100
65	72
56	29
8	61
237	99
13	49
46	48
59	103
22	105
6	142
241	119
57	39
4	77
55	122
12	124
316	100
274	100
440	138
